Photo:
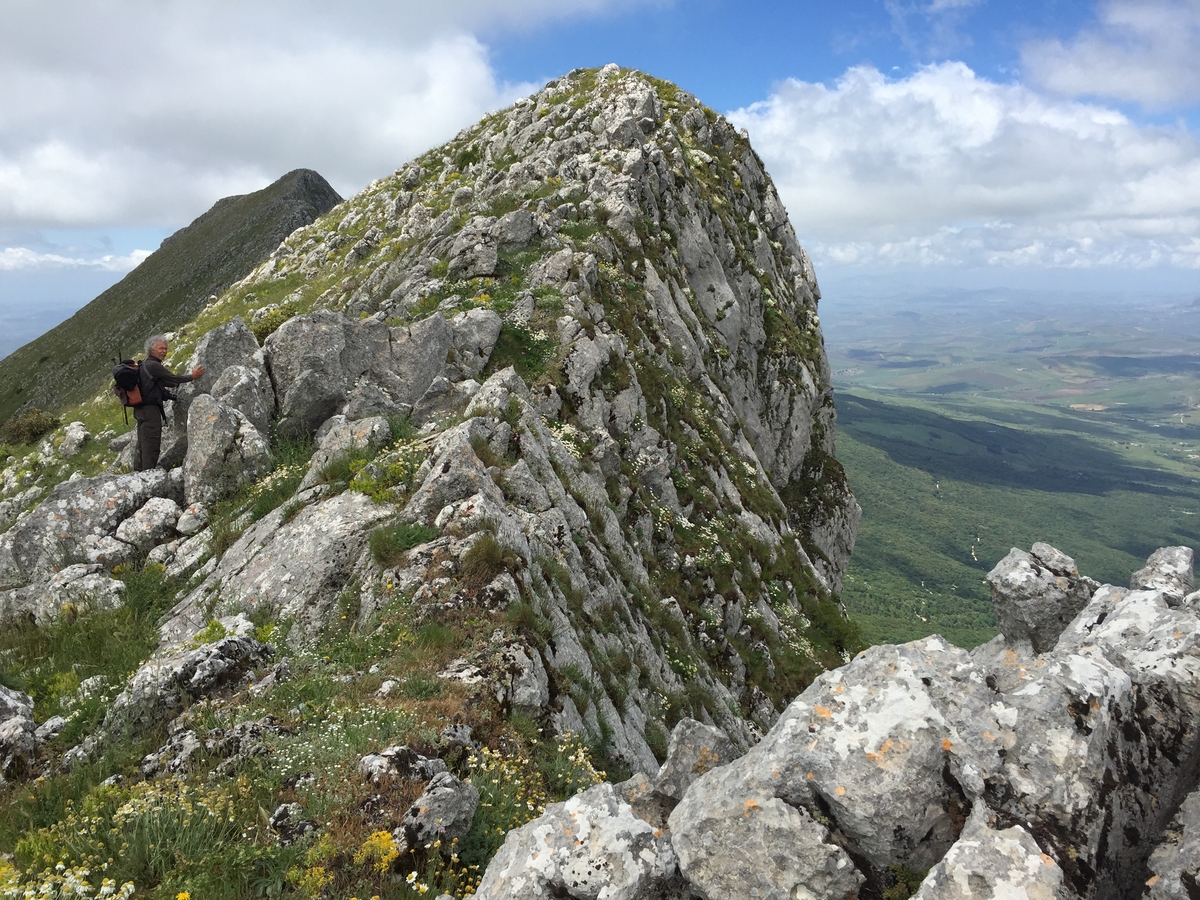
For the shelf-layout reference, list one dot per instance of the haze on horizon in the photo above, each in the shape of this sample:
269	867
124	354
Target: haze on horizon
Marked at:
947	143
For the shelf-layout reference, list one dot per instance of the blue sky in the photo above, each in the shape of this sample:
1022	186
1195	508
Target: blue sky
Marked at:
942	142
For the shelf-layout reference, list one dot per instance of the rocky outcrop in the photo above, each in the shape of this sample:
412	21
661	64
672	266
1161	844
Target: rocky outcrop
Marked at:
1026	774
18	737
566	387
73	517
225	451
162	687
294	570
590	846
593	312
1041	592
323	361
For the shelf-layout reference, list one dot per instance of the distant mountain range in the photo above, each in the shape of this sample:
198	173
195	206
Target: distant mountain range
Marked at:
70	361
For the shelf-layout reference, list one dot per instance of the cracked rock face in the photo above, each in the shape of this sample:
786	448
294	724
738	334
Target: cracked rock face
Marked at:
55	533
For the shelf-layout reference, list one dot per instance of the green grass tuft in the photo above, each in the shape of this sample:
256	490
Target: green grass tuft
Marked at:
388	545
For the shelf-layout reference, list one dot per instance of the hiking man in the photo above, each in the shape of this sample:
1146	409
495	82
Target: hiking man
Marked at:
156	378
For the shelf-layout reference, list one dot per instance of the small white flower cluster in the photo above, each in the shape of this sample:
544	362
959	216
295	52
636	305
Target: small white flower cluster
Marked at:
61	883
568	435
331	740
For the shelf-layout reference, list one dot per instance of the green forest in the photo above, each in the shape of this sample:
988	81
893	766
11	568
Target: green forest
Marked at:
948	489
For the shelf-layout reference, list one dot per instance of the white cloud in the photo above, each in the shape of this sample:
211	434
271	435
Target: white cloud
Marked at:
146	112
947	168
1145	51
14	259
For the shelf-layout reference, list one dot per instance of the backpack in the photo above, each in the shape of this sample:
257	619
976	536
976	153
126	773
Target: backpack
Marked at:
127	383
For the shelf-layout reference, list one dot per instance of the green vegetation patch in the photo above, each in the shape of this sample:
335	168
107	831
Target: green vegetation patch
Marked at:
389	544
529	352
28	427
101	647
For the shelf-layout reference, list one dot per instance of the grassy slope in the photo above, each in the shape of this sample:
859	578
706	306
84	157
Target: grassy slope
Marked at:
69	363
934	487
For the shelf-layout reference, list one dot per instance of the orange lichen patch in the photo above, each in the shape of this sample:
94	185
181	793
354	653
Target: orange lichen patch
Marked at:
1177	635
1095	705
823	711
1010	657
1047	860
1152	880
1041	662
751	805
839	689
947	744
840	791
871	756
989	735
811	776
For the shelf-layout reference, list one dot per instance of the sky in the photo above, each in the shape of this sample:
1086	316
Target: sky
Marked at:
971	143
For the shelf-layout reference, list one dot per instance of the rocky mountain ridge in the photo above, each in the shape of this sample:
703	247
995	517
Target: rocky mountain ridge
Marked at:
557	389
68	363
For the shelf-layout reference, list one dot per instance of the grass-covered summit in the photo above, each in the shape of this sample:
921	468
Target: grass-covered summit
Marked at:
516	459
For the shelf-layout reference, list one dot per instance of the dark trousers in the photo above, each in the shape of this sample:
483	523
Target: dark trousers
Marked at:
149	432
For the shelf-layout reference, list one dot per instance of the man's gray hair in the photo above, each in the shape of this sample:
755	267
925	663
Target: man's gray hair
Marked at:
154	339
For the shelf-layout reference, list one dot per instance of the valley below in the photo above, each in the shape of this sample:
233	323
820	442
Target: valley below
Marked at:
973	421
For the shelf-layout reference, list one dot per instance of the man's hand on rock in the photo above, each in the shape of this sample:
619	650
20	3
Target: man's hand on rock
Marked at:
198	371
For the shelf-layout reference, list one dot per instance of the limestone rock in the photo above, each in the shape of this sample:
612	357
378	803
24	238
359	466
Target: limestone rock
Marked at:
591	846
475	334
442	399
158	691
443	812
695	748
248	390
172	758
525	686
297	569
473	253
1034	602
1004	862
317	360
192	519
400	762
224	451
75	435
454	473
74	589
1169	570
53	535
153	524
289	823
338	437
728	842
18	740
235	373
1175	862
